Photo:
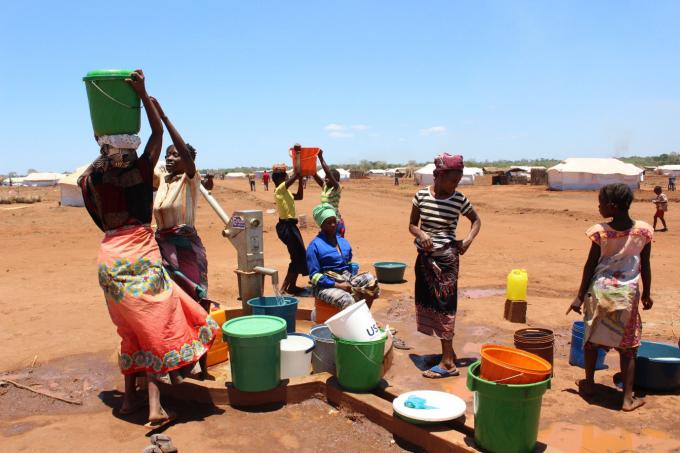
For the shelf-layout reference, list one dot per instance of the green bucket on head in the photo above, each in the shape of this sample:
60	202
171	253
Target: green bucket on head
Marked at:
114	105
506	415
255	352
359	363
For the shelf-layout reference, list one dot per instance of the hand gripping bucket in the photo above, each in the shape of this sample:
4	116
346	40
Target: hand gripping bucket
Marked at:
296	355
354	323
114	105
304	161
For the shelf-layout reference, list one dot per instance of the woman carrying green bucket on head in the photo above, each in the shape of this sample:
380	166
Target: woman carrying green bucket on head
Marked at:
163	331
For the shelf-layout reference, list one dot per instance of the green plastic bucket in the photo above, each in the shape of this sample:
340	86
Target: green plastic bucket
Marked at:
114	105
359	363
254	350
506	415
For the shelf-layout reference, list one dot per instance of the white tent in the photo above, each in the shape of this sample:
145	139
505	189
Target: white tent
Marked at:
42	179
70	193
669	170
234	175
376	172
16	181
425	175
344	174
592	173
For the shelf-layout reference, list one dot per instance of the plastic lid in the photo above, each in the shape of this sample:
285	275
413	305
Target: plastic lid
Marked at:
107	74
254	326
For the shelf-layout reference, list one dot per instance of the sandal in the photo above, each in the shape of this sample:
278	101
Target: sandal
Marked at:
164	443
440	372
398	343
158	424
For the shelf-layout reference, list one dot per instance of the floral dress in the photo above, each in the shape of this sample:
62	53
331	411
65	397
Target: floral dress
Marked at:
611	312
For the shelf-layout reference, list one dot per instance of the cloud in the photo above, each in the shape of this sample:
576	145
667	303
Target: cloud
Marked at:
434	130
336	130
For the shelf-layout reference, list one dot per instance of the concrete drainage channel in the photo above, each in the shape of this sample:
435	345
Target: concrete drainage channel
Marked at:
376	407
457	435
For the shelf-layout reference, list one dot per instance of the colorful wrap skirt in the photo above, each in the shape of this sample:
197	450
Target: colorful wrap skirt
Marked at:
161	328
185	259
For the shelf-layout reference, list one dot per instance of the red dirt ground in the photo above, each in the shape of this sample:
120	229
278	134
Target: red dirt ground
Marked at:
52	310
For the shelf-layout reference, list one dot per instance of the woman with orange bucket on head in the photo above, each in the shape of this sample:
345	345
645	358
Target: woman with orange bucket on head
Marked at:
434	218
162	329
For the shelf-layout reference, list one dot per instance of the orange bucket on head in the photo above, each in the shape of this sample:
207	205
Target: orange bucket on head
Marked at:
505	365
324	311
304	161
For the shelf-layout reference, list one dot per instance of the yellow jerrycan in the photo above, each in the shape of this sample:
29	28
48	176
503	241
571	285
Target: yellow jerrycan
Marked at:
518	280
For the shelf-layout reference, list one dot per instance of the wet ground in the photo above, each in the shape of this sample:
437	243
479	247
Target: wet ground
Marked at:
35	422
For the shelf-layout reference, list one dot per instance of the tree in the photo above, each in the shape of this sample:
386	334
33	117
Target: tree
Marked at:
31	170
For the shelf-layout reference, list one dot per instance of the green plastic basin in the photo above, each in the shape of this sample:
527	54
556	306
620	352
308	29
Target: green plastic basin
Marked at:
389	271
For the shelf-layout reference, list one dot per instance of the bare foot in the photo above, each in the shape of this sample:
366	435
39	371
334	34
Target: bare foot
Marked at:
132	404
632	403
585	388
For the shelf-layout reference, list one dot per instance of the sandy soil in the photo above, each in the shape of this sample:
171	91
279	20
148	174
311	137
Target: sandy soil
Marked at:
52	307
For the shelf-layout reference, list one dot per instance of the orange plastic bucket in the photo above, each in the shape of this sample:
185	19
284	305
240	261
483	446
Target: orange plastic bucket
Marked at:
304	161
506	365
324	311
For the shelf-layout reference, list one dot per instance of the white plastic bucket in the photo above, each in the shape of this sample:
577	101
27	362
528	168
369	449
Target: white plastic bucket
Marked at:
296	355
355	323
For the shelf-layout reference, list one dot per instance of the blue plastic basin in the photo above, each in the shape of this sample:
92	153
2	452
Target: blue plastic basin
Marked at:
269	305
657	367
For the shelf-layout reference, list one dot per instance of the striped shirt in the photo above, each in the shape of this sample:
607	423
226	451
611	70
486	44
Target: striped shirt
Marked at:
439	218
331	195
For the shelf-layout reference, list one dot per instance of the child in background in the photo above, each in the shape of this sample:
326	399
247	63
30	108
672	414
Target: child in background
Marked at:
661	202
331	190
287	228
619	257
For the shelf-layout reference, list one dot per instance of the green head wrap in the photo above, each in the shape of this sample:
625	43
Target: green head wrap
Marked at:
322	212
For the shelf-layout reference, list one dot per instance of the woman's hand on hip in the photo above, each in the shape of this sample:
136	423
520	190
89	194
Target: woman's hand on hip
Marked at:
463	246
425	241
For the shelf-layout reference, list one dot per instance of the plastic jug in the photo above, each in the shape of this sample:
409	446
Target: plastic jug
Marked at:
517	285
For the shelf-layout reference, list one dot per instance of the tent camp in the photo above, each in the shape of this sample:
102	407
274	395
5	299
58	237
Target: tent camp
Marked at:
425	176
376	172
235	175
669	170
70	194
42	179
580	173
344	174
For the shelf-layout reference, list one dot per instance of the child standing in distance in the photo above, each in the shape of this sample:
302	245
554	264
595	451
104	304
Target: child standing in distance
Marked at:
331	190
287	229
661	202
618	259
265	180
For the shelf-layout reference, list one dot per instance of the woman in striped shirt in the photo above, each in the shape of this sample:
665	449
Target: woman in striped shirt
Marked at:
434	218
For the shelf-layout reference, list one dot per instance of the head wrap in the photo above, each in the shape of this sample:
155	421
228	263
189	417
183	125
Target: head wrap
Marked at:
279	168
322	212
446	161
123	141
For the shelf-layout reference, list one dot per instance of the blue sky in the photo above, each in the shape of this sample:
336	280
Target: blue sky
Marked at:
378	80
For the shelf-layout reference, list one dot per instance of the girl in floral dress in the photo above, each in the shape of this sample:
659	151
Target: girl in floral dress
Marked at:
610	288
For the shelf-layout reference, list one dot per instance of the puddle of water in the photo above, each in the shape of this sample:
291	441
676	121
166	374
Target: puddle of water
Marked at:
567	437
479	293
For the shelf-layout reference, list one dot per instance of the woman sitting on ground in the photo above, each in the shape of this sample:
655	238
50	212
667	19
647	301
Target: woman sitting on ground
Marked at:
162	330
329	258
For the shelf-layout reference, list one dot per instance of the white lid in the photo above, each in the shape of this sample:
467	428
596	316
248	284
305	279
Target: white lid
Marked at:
296	343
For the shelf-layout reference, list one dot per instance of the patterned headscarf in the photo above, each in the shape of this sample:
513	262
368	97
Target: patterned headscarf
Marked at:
122	141
446	161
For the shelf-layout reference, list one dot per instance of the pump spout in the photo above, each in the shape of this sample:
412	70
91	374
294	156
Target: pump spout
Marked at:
273	273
